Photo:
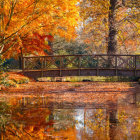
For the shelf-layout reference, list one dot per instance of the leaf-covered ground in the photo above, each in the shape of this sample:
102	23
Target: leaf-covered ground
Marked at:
77	92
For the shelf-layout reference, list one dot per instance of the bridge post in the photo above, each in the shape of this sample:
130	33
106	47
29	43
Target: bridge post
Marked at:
79	66
116	71
42	62
23	64
97	70
61	65
135	64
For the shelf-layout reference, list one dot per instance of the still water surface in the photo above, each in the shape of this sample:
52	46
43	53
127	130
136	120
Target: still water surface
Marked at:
34	118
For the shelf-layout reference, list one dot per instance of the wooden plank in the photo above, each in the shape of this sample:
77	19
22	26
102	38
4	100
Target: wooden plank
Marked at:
84	72
80	55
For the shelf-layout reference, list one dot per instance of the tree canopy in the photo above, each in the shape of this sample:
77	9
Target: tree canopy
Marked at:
20	19
112	25
108	26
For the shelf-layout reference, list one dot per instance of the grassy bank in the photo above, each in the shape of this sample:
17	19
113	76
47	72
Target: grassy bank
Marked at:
88	78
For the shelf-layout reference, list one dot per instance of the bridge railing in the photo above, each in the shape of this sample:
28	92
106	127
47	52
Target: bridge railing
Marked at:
58	62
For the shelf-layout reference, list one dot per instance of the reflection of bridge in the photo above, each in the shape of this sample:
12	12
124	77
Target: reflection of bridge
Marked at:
81	65
43	102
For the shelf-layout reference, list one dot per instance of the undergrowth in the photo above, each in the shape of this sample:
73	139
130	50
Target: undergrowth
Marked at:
6	81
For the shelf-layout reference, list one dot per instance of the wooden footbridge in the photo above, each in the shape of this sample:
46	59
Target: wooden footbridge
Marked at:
81	65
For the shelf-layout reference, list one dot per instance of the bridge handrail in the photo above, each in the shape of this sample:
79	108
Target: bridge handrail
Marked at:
81	55
71	62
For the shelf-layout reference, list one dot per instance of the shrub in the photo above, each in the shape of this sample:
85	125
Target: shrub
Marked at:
139	81
3	74
10	83
21	80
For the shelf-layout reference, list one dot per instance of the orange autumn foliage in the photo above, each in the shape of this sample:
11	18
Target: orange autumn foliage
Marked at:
21	18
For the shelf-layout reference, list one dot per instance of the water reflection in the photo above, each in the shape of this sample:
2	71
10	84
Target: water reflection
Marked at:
39	118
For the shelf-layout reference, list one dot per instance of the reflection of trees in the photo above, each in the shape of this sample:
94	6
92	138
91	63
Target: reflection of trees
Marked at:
29	118
64	123
95	124
129	123
8	126
136	96
33	117
5	119
18	121
112	114
111	122
64	119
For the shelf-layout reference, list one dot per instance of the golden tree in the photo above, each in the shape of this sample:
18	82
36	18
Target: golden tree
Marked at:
109	24
18	19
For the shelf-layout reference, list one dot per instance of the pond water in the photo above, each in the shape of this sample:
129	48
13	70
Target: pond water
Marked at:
38	117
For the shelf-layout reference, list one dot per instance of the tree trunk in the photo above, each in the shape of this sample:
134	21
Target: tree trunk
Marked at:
112	39
2	27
